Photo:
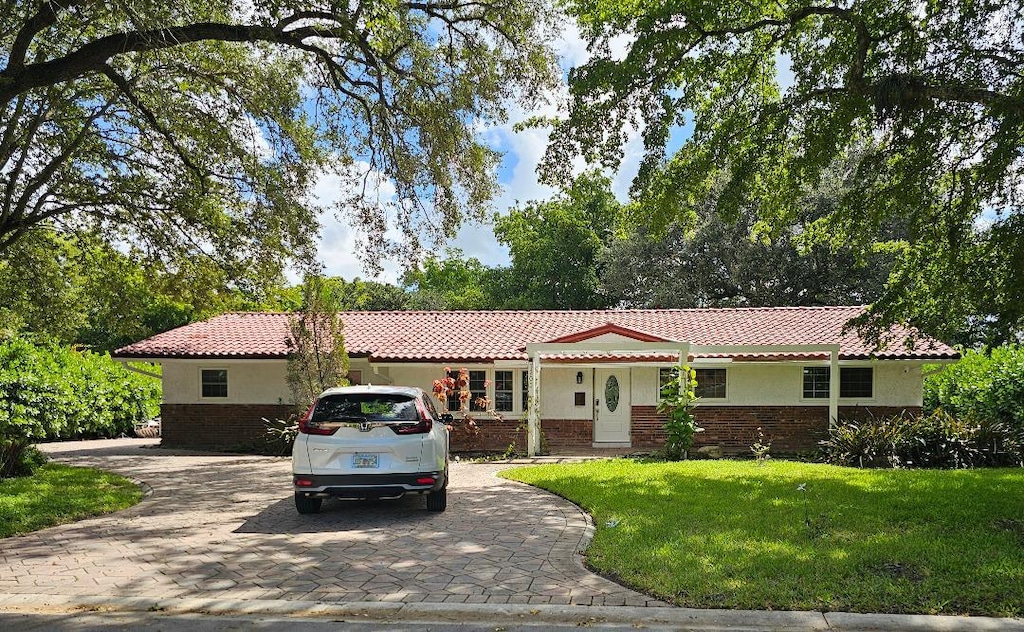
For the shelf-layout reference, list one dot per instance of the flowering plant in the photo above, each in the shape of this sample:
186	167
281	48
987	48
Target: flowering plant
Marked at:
455	385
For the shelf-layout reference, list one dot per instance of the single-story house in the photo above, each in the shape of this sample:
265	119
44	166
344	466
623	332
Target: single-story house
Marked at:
595	374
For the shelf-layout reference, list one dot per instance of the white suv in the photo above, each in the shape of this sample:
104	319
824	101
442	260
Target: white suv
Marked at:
371	442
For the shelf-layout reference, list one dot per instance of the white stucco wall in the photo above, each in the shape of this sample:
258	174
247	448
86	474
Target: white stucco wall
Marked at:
249	381
896	383
558	390
644	386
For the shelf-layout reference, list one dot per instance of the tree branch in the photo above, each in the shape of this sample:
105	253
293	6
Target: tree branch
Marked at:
126	89
44	18
91	57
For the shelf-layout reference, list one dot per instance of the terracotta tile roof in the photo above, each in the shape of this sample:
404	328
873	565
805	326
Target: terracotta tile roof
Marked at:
503	335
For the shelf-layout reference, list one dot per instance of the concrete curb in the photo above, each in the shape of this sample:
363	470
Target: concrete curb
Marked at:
384	612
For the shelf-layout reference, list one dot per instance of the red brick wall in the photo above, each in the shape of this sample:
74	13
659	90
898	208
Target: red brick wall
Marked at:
645	429
495	436
491	435
561	434
216	426
734	428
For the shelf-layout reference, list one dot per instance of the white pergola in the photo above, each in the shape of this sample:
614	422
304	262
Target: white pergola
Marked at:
683	349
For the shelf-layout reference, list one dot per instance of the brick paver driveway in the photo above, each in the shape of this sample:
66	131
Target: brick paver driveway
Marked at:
225	526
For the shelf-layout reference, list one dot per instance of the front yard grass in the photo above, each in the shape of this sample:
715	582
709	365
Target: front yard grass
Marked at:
57	494
733	534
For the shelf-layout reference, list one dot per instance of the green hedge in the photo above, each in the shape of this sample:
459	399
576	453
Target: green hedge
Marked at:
981	386
49	392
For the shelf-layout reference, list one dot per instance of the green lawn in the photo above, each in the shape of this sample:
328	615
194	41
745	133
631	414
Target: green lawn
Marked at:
731	534
57	494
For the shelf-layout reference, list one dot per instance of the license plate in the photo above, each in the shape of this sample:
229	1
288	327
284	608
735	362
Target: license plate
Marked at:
364	460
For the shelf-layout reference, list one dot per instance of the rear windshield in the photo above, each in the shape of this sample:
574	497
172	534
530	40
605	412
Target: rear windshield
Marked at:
374	406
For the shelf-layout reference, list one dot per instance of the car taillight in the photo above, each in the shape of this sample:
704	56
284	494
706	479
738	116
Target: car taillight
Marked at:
308	426
423	426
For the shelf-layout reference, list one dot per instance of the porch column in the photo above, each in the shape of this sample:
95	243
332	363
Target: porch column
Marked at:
684	355
533	419
833	388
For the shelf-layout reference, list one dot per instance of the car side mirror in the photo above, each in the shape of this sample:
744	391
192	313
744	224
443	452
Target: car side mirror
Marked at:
447	418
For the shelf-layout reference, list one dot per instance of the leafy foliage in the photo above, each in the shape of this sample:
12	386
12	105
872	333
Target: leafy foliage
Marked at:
19	459
368	296
455	386
455	282
718	265
761	448
677	397
50	392
196	129
555	245
316	347
938	440
917	105
82	291
981	386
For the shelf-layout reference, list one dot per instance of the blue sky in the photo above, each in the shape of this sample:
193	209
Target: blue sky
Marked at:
517	174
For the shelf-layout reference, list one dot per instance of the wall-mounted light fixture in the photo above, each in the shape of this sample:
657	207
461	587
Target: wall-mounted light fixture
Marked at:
579	377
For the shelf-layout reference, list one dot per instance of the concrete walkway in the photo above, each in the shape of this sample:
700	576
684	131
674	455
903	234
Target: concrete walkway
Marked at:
225	527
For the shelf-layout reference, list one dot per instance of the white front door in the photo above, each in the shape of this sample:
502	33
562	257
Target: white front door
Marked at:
611	405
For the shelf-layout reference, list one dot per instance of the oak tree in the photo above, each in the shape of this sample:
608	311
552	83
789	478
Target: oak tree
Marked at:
197	128
924	100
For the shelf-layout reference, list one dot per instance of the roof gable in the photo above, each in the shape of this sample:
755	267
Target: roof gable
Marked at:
610	328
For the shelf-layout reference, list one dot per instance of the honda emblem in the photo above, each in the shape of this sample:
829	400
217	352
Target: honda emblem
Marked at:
364	426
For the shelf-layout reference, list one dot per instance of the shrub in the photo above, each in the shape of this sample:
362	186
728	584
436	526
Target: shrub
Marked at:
981	386
20	459
48	392
677	397
938	440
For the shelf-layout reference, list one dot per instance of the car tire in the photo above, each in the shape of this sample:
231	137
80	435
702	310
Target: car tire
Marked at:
437	501
307	504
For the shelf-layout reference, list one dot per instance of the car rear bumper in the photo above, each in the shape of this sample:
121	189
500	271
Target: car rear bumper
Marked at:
367	485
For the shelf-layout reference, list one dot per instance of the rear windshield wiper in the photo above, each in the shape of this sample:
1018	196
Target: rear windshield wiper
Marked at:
340	418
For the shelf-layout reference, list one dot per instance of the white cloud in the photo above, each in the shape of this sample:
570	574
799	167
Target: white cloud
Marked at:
337	247
520	183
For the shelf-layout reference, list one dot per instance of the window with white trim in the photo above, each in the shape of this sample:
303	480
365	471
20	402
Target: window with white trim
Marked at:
856	381
503	391
816	382
525	386
214	382
478	388
710	383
